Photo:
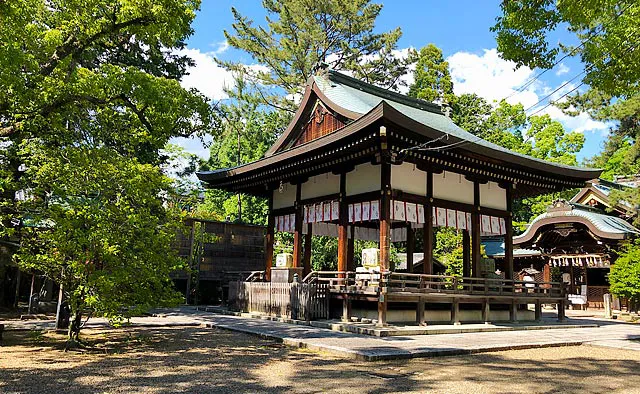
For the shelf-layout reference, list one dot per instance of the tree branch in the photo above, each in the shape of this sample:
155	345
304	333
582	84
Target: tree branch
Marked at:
74	46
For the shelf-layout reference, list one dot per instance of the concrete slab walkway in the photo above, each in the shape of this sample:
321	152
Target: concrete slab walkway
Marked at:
394	347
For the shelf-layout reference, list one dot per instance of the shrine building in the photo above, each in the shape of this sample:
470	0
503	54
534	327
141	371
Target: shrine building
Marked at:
361	162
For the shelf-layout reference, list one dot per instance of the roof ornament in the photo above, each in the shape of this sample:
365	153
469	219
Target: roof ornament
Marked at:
446	109
560	205
320	68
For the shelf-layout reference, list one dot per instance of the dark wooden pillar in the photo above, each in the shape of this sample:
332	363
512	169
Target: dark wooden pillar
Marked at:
513	311
306	260
297	231
411	246
351	247
346	309
466	254
475	232
385	216
455	311
508	237
268	250
427	234
420	312
343	222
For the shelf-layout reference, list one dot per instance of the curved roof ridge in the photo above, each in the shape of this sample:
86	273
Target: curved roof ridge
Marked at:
384	93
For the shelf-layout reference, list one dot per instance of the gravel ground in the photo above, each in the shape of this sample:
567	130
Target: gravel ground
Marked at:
202	360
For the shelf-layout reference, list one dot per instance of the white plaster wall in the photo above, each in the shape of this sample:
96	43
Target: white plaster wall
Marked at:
409	179
286	198
493	196
452	187
320	185
364	178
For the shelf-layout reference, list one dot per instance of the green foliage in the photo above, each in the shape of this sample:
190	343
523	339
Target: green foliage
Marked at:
448	249
101	230
298	35
432	81
607	32
324	253
624	277
89	97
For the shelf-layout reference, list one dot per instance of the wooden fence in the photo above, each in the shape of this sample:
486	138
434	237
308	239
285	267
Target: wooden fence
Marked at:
303	301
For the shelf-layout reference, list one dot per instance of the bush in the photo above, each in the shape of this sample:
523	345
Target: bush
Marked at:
625	274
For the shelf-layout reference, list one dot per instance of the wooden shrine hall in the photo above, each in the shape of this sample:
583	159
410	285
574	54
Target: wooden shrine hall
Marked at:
361	162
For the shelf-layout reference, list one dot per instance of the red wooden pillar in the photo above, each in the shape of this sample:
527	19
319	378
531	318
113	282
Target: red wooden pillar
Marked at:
508	237
351	262
297	231
343	222
268	250
427	235
475	232
385	216
306	261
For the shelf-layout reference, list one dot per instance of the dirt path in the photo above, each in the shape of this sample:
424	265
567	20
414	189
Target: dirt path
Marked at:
164	360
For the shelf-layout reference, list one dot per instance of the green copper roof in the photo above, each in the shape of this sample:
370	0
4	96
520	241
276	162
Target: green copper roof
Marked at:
566	211
357	96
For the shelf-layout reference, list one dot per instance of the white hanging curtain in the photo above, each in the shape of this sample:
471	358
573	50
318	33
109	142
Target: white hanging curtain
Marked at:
285	223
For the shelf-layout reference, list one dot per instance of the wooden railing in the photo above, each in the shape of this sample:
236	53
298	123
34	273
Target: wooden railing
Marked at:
399	283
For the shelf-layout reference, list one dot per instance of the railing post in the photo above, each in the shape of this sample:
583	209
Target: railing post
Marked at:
308	295
382	301
561	303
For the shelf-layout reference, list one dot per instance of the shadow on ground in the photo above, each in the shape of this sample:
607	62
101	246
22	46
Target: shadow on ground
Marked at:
191	359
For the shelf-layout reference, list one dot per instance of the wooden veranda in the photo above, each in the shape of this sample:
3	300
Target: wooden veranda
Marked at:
423	288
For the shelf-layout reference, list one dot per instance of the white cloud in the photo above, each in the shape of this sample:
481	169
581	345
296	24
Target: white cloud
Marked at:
206	76
221	48
562	69
490	77
494	79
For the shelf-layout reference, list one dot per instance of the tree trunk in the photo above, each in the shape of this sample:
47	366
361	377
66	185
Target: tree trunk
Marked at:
74	326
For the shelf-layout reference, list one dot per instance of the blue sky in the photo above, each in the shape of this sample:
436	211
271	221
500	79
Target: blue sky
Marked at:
459	28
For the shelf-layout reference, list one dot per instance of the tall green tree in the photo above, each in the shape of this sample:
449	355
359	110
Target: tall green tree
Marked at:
98	229
300	34
89	96
432	80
